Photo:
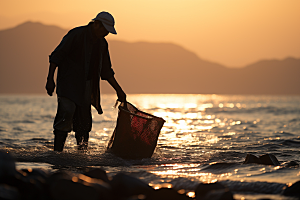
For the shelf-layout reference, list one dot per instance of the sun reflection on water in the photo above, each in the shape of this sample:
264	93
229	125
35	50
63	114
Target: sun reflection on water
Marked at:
189	124
192	171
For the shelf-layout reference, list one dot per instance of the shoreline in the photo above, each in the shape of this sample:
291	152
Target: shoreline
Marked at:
90	176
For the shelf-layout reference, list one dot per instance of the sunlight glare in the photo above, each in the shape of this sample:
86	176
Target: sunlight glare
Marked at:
191	194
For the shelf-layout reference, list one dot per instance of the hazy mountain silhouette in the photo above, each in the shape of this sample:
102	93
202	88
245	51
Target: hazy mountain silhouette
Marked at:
141	67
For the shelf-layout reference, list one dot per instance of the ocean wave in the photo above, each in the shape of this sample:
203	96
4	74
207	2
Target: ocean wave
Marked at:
292	143
254	187
235	186
295	120
21	122
268	109
39	139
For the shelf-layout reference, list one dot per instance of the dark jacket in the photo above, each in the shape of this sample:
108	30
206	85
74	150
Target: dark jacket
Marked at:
73	58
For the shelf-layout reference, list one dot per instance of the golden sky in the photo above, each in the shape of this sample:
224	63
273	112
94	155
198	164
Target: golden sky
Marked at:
231	32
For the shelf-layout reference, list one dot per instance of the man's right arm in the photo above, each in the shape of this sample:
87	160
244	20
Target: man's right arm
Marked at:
50	85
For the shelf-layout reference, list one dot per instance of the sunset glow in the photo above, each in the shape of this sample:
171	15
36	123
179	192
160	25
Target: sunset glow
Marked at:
232	32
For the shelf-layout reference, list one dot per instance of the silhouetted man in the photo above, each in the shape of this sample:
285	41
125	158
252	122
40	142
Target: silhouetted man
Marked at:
82	58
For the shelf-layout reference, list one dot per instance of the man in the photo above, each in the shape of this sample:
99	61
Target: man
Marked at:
82	58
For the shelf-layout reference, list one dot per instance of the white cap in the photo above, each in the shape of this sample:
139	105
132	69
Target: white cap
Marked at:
107	20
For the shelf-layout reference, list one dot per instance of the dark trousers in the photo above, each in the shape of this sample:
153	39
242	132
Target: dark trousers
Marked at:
71	117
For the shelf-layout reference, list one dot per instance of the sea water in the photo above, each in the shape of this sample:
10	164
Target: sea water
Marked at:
205	139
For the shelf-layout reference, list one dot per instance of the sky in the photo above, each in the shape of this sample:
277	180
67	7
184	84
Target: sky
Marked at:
234	33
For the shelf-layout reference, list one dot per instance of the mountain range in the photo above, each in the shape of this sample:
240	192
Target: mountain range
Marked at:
141	67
